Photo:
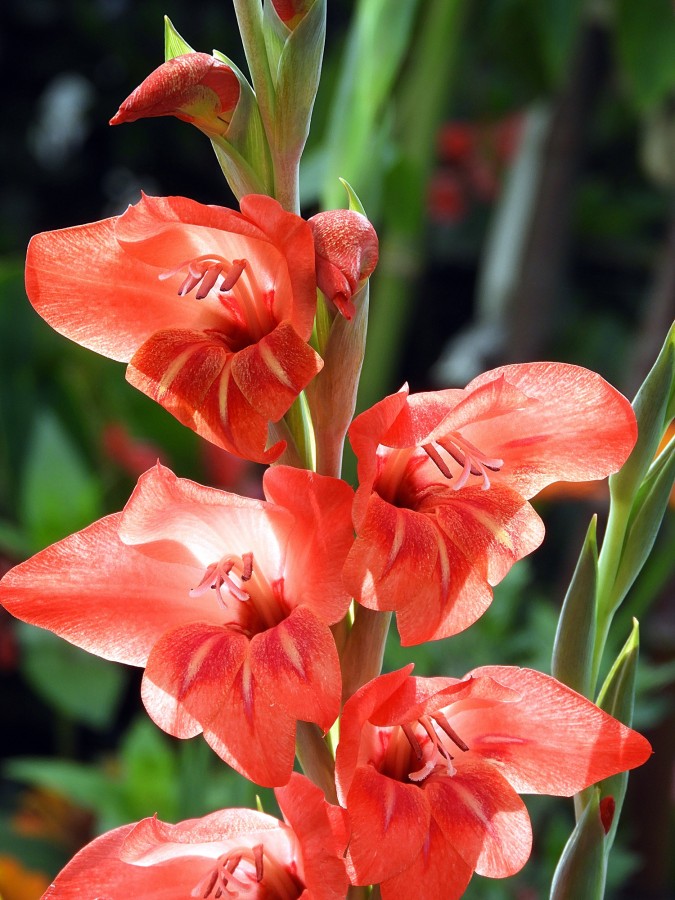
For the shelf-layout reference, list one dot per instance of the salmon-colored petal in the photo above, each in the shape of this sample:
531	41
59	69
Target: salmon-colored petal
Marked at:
189	374
357	711
493	529
389	824
320	540
293	236
437	871
153	859
210	522
253	733
272	372
323	833
395	551
104	596
187	673
553	741
482	817
89	290
296	664
580	428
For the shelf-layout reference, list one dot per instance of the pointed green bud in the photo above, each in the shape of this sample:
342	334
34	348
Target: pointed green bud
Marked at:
645	519
572	660
294	34
653	407
617	697
581	870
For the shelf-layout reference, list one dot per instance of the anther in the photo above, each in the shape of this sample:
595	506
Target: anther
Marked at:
472	460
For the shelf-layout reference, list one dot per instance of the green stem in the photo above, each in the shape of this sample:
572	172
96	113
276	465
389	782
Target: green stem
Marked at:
249	18
316	759
364	650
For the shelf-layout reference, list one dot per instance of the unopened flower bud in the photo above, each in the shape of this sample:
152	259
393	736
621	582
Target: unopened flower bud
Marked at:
291	11
346	248
194	87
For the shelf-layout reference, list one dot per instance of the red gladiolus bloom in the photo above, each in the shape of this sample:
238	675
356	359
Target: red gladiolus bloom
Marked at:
194	87
429	769
441	511
230	853
226	601
347	251
211	308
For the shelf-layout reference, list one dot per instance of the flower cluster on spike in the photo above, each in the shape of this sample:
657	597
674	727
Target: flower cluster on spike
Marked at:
230	604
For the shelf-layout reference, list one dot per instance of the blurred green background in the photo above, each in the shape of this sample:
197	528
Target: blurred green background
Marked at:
518	160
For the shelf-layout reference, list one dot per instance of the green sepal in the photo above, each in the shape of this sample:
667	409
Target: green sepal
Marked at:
572	660
296	81
645	519
653	406
332	393
246	144
275	34
581	870
355	204
617	697
174	44
243	154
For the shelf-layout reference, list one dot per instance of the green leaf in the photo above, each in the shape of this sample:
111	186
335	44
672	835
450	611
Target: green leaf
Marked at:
617	697
81	686
645	37
645	520
149	773
83	785
59	493
652	410
558	22
581	870
575	637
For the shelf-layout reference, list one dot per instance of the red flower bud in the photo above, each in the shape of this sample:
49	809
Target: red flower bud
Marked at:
291	11
346	249
195	87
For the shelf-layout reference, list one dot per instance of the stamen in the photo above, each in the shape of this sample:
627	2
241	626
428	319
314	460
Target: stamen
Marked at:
258	858
223	878
412	740
472	460
217	576
233	276
204	271
442	721
437	758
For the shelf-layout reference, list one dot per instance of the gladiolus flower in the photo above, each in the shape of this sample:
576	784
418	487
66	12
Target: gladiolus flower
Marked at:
429	771
230	853
441	510
194	87
226	601
211	308
346	255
